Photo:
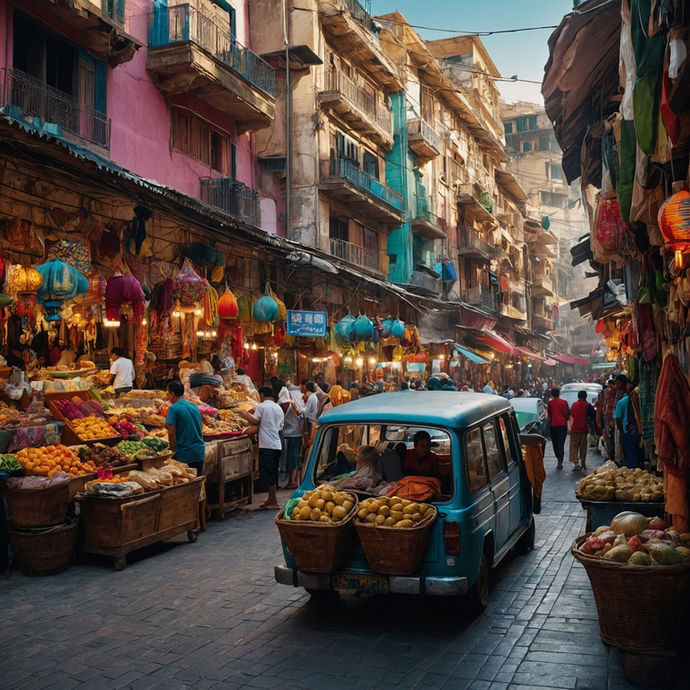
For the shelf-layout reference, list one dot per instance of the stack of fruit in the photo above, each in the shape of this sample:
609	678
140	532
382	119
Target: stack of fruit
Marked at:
91	428
393	512
324	504
49	460
131	448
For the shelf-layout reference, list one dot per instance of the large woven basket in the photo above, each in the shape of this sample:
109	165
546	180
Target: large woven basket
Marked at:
641	609
44	551
395	551
38	507
318	547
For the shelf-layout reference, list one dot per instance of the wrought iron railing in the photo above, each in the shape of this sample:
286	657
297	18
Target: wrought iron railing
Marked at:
360	10
470	240
233	197
372	107
424	212
479	297
37	99
355	254
455	173
339	168
115	9
483	198
181	23
419	125
426	281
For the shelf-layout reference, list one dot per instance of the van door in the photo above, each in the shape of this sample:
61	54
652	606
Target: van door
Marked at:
481	509
498	481
510	452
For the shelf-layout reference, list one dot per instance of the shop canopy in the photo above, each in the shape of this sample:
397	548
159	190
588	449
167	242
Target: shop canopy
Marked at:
550	362
470	354
498	342
530	353
571	359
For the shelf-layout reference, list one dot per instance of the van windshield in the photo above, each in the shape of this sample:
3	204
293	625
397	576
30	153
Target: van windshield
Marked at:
368	457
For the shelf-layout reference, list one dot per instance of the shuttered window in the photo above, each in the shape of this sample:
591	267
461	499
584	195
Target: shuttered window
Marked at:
193	137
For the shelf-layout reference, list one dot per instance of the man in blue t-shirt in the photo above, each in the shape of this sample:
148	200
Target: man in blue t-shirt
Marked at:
626	421
184	428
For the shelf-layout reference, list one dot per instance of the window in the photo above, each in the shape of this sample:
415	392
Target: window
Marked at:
493	453
474	460
544	144
338	228
526	146
504	422
533	123
521	123
508	127
193	137
347	149
370	164
556	172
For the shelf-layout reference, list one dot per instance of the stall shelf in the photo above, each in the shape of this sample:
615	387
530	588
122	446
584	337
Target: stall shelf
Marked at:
229	482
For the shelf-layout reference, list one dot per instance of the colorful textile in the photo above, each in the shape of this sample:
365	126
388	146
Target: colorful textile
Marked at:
121	289
672	417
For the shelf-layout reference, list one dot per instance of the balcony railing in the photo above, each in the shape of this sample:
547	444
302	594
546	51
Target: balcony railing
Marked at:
179	24
423	212
419	127
375	109
484	199
339	168
473	244
479	297
454	171
543	282
360	10
39	100
423	280
233	197
355	254
115	9
545	322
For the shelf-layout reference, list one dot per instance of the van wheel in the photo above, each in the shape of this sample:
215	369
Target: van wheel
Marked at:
525	543
477	596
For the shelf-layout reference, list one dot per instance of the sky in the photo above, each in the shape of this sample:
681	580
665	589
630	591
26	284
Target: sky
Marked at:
524	54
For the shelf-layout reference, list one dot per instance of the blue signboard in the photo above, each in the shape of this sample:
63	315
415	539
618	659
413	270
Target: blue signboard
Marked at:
309	324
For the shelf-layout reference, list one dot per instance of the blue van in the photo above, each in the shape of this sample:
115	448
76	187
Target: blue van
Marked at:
486	507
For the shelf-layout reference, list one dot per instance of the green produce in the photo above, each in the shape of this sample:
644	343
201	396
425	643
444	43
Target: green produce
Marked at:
619	553
131	448
154	443
640	558
664	554
9	463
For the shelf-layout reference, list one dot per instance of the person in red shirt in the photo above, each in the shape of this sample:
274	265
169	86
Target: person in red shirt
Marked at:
420	460
558	414
580	413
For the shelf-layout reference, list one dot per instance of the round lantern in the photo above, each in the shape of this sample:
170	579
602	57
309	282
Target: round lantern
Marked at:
397	329
363	328
343	329
265	309
674	223
25	280
227	306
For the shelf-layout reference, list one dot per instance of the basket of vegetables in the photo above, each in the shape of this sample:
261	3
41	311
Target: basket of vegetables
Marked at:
640	576
10	467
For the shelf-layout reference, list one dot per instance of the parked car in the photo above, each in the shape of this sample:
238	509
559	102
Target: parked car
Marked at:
570	394
530	414
486	508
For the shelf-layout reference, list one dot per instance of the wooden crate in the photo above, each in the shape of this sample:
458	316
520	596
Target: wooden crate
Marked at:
230	480
69	436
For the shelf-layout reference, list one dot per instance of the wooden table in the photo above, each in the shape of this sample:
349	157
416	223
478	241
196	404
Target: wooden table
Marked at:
230	473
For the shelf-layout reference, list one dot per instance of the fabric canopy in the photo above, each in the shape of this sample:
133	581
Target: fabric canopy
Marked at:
470	354
530	353
571	359
550	362
498	342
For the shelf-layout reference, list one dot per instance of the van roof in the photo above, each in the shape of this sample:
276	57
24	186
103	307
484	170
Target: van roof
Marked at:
435	408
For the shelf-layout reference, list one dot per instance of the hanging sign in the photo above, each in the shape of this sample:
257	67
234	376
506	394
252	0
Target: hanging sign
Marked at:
307	324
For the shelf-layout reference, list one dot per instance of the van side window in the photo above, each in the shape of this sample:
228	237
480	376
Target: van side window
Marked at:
503	422
474	460
493	453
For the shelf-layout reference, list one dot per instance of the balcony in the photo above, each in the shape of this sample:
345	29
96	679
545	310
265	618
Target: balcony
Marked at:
474	247
454	172
426	223
361	192
480	203
479	297
513	312
426	282
355	254
233	197
542	322
52	110
100	25
543	287
423	139
190	53
363	112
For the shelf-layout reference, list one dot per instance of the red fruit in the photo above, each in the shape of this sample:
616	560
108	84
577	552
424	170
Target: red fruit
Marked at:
657	523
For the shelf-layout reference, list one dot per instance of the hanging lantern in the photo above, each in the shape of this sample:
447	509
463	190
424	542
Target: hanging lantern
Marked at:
343	329
227	306
363	328
397	329
265	309
25	280
674	223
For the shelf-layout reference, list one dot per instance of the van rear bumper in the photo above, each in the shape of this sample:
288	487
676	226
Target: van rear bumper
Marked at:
408	584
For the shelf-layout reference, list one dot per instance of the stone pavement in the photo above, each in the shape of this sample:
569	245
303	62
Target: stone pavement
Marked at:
209	615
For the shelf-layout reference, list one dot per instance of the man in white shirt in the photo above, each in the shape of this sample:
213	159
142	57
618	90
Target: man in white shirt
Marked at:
293	407
268	420
121	372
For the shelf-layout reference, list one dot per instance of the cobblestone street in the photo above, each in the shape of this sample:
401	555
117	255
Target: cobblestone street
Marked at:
209	615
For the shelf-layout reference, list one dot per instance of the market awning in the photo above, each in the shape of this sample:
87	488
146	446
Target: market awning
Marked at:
470	354
530	353
550	362
571	359
498	342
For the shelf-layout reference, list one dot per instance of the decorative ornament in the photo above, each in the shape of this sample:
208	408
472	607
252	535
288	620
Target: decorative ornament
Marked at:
674	223
25	280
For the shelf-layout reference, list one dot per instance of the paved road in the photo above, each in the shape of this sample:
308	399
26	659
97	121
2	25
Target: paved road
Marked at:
209	615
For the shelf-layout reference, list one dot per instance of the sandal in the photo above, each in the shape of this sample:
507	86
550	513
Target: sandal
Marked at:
559	466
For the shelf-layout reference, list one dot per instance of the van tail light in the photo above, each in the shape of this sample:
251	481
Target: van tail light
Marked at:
451	537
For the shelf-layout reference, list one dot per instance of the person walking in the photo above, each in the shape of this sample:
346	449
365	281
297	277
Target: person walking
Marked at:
267	420
292	434
629	427
121	372
558	413
185	432
580	414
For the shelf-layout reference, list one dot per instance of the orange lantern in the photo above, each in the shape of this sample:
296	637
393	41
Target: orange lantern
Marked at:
25	280
674	223
227	306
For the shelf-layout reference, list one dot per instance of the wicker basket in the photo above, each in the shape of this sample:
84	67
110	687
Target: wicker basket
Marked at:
395	551
45	551
640	608
318	547
38	507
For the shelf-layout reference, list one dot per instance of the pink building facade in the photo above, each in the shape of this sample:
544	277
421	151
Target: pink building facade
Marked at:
165	89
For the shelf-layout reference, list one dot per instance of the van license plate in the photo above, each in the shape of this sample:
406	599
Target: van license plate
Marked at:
362	583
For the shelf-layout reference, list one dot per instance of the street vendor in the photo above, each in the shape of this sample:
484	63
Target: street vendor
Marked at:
185	432
121	372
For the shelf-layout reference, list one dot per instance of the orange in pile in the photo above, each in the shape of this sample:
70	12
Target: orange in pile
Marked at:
47	461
